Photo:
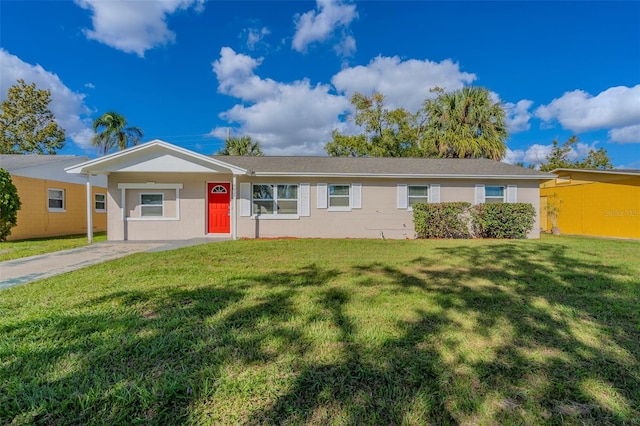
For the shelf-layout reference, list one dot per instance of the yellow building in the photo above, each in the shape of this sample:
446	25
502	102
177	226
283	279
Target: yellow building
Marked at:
602	203
54	202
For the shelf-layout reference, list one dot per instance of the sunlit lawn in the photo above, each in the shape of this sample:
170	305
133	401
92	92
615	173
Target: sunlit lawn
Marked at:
17	249
331	332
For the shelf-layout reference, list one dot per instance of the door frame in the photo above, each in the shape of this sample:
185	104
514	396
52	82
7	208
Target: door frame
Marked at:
206	208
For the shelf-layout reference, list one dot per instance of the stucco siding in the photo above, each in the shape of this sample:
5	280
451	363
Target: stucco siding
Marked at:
36	221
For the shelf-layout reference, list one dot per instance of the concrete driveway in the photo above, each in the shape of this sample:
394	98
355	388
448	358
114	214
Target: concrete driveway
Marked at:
27	269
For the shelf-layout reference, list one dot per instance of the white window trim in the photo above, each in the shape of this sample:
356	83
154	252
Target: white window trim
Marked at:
276	216
64	201
151	186
341	208
97	210
493	197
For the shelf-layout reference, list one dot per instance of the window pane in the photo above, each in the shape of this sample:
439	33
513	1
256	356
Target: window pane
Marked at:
416	200
338	201
288	207
100	197
54	193
55	204
263	207
263	192
493	200
338	190
151	199
151	211
420	191
289	192
494	191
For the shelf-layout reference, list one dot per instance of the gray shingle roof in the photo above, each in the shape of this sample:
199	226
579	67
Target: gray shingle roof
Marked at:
444	167
11	162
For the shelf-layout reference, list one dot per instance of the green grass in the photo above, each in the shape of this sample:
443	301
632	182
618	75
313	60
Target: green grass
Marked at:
331	332
16	249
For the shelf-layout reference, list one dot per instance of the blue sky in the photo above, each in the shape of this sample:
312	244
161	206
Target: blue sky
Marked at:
282	72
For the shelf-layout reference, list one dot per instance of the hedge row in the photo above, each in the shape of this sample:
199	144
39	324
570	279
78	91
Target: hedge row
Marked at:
461	220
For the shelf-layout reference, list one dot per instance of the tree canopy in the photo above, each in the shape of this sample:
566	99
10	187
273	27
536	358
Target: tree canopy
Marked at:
113	131
464	124
9	204
461	124
558	158
26	123
244	146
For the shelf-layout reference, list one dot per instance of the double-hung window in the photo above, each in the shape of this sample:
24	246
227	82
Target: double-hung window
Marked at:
494	194
100	202
339	196
151	204
418	194
275	199
56	200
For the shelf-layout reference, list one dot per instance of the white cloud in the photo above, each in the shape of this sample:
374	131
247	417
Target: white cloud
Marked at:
512	157
579	111
89	85
67	106
255	36
404	83
346	46
318	25
288	119
518	115
629	134
133	26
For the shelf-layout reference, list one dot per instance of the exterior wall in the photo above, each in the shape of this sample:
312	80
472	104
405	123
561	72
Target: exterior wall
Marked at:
191	214
379	214
596	204
34	218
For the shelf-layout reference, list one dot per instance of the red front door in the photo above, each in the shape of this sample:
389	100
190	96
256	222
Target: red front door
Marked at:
219	217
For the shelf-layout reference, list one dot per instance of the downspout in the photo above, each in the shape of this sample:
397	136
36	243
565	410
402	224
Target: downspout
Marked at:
89	213
234	216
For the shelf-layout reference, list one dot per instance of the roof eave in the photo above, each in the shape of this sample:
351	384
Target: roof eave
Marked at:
406	175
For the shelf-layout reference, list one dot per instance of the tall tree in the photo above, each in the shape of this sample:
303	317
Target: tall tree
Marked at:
386	133
558	158
26	123
465	123
9	204
241	146
113	131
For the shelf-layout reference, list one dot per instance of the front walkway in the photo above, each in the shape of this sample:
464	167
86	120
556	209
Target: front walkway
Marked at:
27	269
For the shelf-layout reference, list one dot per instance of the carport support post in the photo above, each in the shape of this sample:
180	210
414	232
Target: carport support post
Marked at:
89	215
234	216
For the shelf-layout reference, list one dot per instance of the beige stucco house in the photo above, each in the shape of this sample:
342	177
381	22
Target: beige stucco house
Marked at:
161	191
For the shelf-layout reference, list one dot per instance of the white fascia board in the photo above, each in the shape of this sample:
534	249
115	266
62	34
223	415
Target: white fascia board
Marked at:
404	176
604	172
93	166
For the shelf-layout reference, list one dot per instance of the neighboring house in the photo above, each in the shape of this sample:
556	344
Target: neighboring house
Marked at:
160	191
53	201
602	203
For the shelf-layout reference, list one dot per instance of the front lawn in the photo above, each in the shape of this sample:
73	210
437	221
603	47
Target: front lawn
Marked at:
331	332
16	249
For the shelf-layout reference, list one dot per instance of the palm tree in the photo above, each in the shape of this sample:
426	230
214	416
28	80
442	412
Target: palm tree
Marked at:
464	124
112	131
241	146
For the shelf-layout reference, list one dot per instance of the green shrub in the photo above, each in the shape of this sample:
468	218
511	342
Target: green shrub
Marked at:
442	220
503	220
9	204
